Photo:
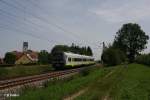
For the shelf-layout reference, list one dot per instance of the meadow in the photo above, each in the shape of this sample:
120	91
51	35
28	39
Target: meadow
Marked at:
126	83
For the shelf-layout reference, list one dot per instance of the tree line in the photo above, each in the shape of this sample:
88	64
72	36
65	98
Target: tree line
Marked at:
73	48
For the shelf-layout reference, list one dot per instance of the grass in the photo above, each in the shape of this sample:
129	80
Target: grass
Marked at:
21	70
113	83
59	89
135	84
131	83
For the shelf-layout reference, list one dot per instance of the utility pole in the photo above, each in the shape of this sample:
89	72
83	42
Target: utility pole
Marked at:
102	44
104	47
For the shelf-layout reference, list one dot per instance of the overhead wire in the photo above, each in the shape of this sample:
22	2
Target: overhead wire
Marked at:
45	21
40	8
10	16
13	15
55	17
6	26
40	18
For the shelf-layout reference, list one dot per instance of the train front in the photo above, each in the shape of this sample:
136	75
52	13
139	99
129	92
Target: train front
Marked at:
58	60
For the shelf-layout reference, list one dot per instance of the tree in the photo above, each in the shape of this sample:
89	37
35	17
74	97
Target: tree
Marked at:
89	51
43	57
10	58
60	48
73	48
112	56
131	39
50	58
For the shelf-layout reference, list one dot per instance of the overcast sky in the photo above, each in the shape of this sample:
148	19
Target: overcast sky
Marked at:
45	23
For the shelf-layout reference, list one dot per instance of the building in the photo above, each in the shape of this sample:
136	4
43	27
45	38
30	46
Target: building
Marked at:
27	58
18	54
25	46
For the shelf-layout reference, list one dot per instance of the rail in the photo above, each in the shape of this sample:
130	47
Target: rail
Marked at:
29	79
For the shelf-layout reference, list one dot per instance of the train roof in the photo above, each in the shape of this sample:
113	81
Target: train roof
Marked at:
70	54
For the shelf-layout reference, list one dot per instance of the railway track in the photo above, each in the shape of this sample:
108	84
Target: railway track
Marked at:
29	79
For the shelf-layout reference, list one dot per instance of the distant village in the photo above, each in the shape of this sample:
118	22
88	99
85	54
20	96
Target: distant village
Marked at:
25	56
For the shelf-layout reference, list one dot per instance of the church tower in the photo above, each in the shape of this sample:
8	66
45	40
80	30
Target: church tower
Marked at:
25	46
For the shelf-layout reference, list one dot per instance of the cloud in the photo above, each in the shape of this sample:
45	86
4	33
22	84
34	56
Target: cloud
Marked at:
126	11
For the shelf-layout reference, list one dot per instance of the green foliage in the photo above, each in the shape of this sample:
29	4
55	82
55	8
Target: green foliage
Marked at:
89	51
10	58
73	48
43	57
131	39
143	59
50	58
112	56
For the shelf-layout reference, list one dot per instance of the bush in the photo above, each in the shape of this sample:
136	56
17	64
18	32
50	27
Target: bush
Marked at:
10	58
85	72
112	56
43	57
143	59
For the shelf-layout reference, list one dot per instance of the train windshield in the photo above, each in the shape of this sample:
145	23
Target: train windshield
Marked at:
58	57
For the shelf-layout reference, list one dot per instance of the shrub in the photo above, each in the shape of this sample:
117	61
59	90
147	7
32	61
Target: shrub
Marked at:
143	59
10	58
112	56
85	72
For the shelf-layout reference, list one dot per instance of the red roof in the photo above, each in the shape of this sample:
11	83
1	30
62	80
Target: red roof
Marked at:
18	54
32	54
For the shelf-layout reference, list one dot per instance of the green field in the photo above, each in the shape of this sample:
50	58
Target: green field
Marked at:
112	83
131	83
22	70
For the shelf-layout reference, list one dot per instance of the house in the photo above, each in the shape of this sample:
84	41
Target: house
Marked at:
18	54
26	57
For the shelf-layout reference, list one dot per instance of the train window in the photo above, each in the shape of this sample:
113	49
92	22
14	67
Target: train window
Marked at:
69	59
73	59
84	59
77	59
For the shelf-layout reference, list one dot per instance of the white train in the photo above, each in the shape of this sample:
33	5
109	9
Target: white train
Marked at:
65	59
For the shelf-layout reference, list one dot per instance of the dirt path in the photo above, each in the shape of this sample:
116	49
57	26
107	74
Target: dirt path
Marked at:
72	97
106	97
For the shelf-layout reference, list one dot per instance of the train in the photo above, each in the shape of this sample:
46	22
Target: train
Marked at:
69	60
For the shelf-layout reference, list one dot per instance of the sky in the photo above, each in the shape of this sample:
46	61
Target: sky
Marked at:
46	23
